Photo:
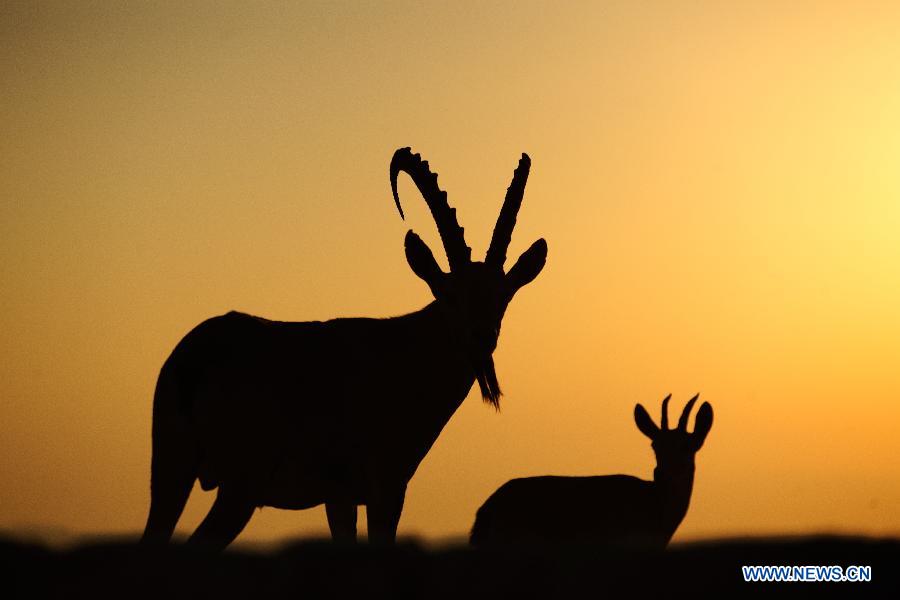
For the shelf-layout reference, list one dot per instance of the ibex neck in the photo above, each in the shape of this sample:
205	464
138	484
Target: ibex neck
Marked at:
437	377
433	320
440	359
432	311
675	495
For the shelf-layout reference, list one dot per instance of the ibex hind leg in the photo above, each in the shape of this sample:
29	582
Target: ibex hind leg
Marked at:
173	471
173	468
169	491
228	516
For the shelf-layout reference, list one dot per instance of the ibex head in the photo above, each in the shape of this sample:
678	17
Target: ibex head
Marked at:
474	295
675	448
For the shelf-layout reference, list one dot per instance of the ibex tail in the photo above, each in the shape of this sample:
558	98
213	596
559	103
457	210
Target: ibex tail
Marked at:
483	523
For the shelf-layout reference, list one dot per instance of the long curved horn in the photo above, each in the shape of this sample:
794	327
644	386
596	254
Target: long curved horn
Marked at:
451	233
496	254
682	422
664	420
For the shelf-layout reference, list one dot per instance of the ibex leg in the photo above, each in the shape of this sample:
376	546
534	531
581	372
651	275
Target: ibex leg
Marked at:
341	521
173	466
383	514
226	519
168	496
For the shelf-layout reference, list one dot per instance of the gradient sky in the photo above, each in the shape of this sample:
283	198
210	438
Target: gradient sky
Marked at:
717	183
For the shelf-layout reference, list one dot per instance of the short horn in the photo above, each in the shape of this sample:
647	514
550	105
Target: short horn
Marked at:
682	421
451	233
496	254
664	420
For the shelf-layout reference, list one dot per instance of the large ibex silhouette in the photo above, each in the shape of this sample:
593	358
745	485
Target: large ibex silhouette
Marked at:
341	412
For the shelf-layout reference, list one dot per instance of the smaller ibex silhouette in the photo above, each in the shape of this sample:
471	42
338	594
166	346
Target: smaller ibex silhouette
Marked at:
615	510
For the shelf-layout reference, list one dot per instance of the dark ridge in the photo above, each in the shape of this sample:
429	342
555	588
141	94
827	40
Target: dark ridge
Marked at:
318	569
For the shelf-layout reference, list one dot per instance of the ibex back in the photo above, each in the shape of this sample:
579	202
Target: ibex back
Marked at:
293	415
612	510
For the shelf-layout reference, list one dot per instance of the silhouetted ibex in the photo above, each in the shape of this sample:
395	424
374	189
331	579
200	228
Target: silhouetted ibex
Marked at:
341	412
617	510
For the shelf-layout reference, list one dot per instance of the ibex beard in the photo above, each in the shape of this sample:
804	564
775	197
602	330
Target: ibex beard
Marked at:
486	377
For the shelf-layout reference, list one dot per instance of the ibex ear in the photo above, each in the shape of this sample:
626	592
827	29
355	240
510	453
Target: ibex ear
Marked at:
422	262
644	422
702	425
527	267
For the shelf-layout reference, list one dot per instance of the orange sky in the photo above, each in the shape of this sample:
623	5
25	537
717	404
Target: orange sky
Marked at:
718	187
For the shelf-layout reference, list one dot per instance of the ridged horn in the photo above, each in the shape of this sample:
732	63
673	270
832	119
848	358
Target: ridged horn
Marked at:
458	254
496	254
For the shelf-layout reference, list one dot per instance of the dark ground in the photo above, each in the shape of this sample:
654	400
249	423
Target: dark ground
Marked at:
315	569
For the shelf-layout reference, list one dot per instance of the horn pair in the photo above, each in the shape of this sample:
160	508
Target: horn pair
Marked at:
683	420
452	235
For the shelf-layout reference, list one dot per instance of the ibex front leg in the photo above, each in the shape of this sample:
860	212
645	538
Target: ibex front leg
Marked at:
383	513
341	521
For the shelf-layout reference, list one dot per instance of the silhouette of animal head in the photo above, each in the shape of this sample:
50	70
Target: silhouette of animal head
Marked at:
675	448
474	295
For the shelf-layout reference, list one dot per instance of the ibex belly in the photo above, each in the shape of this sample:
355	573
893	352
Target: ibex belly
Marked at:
273	444
297	483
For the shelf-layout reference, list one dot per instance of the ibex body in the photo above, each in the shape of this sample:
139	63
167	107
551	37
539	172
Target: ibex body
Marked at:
341	412
614	510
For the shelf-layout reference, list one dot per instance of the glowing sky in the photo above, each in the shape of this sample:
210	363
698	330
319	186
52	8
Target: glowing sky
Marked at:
717	183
